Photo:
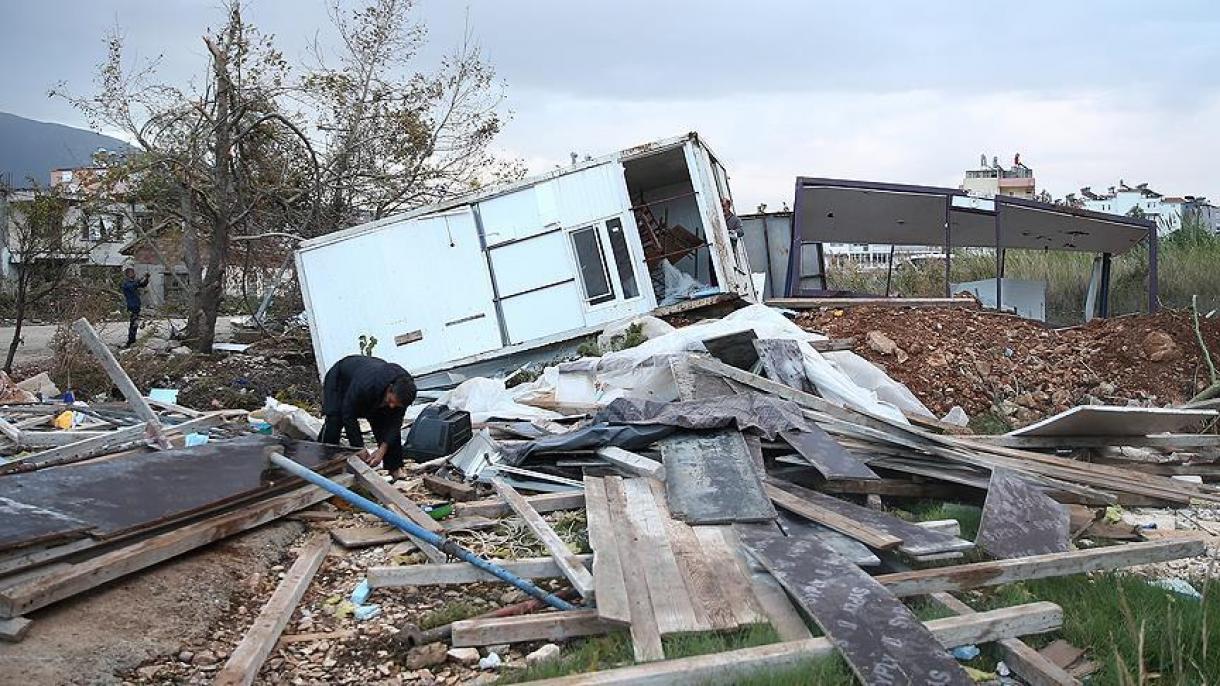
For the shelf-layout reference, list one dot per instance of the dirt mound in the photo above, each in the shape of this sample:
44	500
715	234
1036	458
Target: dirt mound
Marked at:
984	360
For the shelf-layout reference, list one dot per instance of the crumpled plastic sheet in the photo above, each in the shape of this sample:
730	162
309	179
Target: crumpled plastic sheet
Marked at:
486	399
767	415
290	420
843	378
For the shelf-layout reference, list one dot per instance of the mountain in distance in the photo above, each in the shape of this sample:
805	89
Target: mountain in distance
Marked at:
31	149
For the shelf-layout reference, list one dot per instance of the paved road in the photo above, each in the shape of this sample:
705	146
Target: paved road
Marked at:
36	340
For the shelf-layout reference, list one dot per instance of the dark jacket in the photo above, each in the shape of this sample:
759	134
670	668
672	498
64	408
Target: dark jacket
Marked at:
131	292
355	387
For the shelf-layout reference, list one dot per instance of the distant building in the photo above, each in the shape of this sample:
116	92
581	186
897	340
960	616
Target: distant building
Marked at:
1167	211
990	180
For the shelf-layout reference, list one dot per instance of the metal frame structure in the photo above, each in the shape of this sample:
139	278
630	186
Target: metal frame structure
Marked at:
1001	214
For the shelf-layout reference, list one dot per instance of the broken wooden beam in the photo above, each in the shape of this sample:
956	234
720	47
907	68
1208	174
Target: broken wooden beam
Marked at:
462	573
546	626
995	573
394	499
454	490
631	463
572	569
547	502
838	303
1024	661
847	526
736	665
248	657
126	386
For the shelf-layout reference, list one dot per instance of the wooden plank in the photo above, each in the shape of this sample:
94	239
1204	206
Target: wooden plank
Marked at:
1019	519
828	457
395	500
572	569
645	631
671	601
27	595
366	536
112	440
833	344
916	540
693	385
799	527
34	556
710	478
609	589
13	629
734	666
173	407
814	303
10	432
833	520
1024	661
994	573
452	573
965	451
720	553
455	490
248	657
547	502
879	637
631	463
114	370
546	626
703	586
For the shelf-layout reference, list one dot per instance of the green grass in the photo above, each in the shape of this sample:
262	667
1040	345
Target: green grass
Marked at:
1118	617
1186	267
968	516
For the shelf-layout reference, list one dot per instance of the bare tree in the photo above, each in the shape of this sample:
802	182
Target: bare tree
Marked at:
396	137
222	160
43	248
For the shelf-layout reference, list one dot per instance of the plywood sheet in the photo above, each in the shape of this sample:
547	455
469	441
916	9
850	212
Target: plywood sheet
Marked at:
133	491
1020	519
826	455
882	641
1106	420
710	478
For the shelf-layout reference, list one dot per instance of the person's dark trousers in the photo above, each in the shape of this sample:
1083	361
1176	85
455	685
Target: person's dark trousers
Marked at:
332	428
131	327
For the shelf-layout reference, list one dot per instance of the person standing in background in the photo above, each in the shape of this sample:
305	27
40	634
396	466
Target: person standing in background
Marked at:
131	296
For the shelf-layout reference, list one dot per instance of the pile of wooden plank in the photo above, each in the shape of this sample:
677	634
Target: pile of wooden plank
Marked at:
718	529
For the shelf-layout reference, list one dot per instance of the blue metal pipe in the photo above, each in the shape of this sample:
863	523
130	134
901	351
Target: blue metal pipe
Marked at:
443	544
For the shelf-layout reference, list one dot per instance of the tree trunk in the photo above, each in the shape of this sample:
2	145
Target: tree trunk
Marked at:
193	260
20	318
226	194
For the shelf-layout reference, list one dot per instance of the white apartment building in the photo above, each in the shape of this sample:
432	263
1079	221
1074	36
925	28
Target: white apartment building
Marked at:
1168	211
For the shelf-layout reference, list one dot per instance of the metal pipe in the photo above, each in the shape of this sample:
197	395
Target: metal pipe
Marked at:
440	542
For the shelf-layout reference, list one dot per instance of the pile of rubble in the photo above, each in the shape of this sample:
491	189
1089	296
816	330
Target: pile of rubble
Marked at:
679	486
987	362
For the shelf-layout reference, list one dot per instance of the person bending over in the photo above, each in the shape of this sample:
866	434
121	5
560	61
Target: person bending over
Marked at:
360	386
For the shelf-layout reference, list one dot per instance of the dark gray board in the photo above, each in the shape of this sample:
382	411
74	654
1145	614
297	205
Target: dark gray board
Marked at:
1019	519
735	349
883	642
134	491
916	540
826	455
784	362
36	524
710	478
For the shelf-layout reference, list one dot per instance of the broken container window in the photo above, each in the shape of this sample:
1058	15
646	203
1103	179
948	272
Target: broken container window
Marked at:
592	261
622	258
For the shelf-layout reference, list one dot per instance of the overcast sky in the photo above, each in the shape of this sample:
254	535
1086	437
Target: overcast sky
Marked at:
1087	92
